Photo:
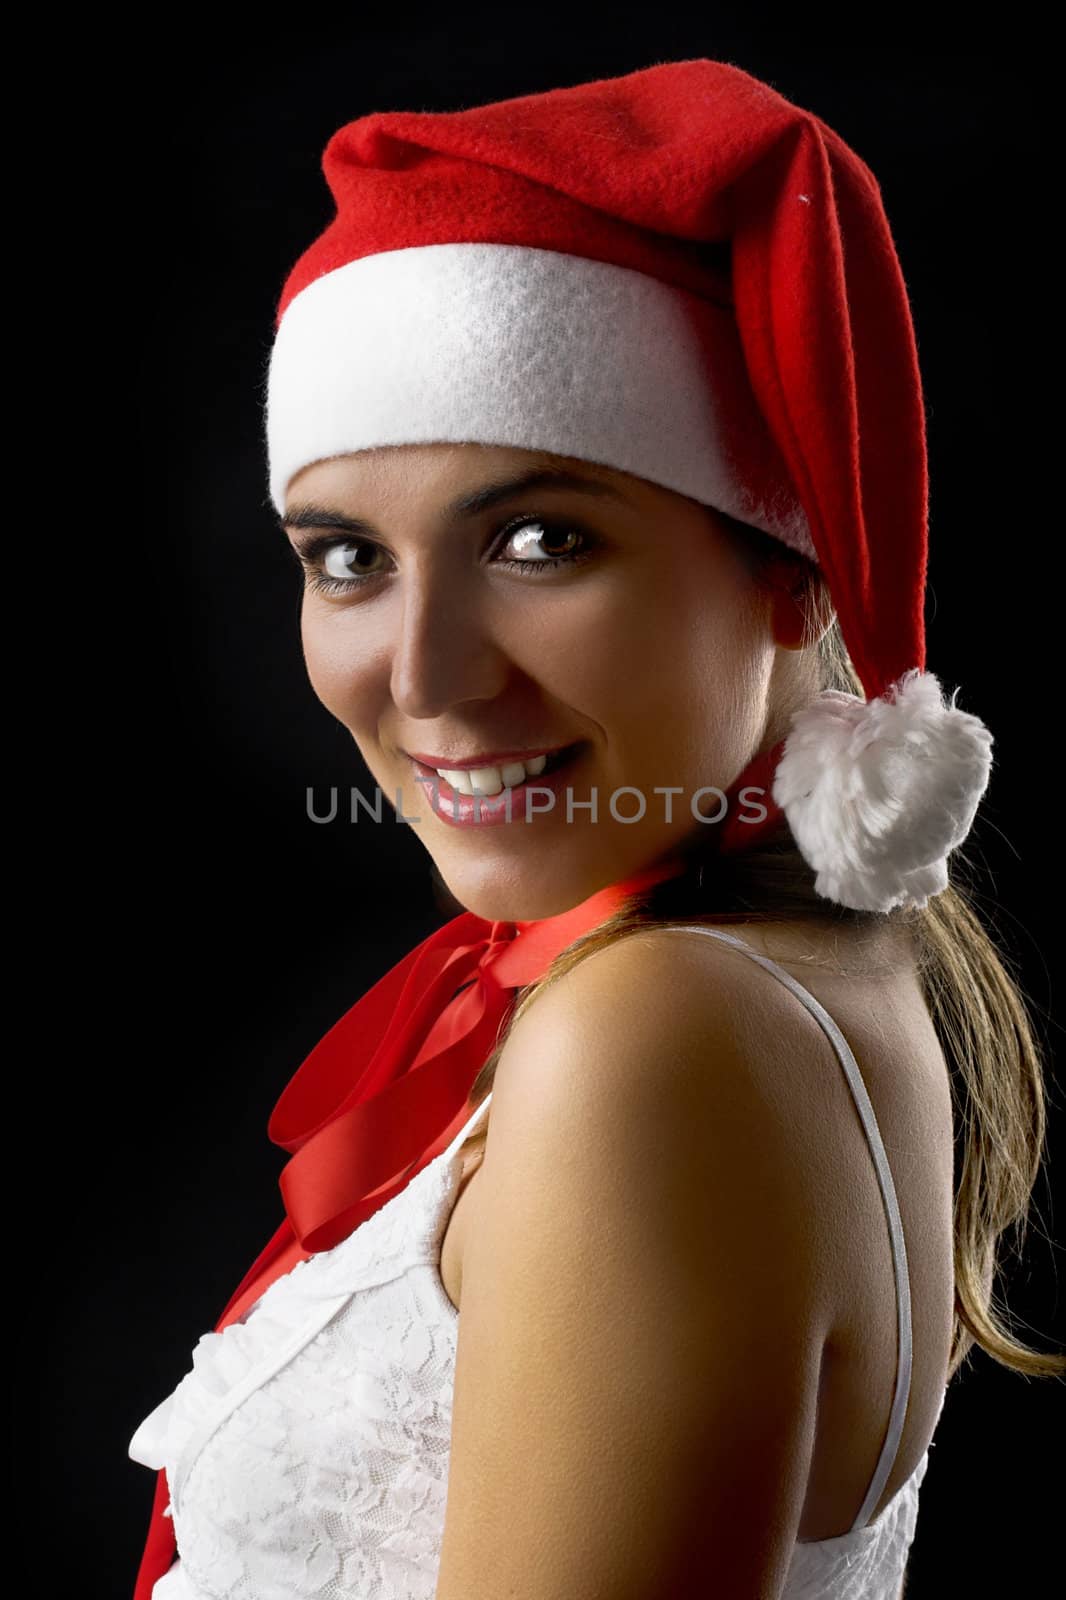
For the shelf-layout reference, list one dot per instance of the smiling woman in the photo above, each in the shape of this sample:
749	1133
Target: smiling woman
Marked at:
564	414
443	615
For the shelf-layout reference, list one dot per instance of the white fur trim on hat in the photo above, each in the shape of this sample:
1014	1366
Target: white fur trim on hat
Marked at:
878	793
508	345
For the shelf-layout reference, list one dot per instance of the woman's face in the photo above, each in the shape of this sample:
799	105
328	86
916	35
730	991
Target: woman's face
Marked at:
435	628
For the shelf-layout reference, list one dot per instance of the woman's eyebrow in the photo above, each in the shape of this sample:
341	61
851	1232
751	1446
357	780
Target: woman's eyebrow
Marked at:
310	515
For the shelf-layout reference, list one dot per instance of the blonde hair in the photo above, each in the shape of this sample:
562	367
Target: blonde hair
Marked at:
972	992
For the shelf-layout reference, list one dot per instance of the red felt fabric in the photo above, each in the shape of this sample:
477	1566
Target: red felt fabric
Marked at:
704	177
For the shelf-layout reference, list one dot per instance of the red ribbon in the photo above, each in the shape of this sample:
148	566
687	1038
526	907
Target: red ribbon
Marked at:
385	1090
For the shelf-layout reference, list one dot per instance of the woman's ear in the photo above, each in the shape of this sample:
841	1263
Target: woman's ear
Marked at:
801	608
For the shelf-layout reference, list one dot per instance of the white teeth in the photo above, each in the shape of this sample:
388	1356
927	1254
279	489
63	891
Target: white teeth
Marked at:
459	781
487	781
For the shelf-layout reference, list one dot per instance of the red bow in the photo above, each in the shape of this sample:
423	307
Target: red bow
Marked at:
385	1091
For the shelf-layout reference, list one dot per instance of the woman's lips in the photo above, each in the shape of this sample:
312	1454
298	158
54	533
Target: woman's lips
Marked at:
468	810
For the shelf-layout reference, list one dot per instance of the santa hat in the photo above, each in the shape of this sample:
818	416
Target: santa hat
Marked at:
679	274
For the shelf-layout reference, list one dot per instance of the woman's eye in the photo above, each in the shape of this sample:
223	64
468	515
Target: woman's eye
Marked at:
532	532
348	560
538	544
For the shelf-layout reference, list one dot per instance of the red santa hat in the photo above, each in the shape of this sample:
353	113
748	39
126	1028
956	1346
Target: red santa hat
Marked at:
679	274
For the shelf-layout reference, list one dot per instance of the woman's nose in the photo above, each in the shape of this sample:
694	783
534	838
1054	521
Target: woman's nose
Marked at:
443	654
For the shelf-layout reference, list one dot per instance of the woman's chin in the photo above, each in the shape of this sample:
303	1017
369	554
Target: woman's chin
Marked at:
524	892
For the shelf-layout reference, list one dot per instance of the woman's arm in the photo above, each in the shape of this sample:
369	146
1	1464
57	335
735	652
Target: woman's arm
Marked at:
638	1348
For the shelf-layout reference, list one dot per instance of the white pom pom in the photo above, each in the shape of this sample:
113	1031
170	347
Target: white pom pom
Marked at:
878	793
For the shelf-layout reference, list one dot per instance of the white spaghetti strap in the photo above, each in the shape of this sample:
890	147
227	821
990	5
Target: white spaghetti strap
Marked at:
888	1195
465	1131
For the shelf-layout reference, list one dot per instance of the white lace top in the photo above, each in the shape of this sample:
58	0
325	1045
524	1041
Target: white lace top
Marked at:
306	1450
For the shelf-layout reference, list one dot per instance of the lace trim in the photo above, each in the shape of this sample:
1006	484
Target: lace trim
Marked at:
227	1366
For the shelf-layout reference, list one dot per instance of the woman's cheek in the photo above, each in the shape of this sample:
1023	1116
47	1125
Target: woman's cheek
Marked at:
553	646
341	669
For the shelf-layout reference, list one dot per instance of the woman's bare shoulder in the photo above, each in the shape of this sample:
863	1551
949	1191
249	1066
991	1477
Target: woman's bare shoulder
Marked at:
661	1018
632	1168
689	970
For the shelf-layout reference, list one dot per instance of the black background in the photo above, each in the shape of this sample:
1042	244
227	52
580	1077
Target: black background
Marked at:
203	933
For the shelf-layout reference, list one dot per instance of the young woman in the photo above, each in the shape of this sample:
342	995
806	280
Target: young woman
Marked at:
637	1221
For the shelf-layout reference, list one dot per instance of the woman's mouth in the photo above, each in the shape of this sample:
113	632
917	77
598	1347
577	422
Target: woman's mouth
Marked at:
527	801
